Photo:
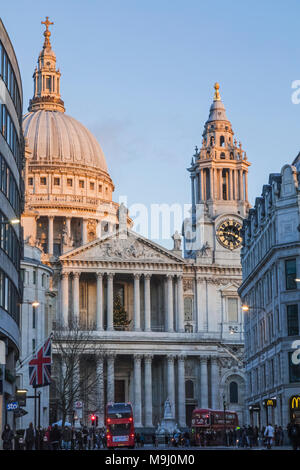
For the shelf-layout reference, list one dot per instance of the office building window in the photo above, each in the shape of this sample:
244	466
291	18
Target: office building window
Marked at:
232	303
290	274
292	320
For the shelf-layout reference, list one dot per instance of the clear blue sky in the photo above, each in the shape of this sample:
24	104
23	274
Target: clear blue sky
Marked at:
140	73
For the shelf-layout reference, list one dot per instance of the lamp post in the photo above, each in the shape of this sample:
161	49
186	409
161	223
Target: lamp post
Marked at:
224	408
14	221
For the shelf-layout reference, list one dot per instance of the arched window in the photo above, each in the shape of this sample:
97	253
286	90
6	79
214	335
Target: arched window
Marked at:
233	392
222	156
189	389
222	141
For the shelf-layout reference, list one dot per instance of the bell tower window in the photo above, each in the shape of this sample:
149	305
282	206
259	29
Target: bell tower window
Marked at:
48	83
222	141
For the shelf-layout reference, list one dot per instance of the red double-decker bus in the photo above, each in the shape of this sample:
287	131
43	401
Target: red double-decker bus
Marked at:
119	425
207	420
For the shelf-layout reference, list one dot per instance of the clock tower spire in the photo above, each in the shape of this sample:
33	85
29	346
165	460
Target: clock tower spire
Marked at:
219	179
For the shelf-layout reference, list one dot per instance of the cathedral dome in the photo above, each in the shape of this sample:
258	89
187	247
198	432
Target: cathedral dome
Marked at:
54	137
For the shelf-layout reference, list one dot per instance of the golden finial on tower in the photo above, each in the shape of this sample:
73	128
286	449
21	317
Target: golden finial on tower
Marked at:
47	33
217	96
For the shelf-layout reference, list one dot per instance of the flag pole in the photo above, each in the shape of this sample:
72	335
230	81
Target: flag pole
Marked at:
35	408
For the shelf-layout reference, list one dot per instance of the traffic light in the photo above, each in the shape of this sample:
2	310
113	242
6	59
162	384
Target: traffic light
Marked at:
93	420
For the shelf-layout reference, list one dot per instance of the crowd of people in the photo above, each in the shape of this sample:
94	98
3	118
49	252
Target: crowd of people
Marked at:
55	438
84	438
250	436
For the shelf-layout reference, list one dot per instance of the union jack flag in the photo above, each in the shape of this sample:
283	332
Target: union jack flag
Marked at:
40	366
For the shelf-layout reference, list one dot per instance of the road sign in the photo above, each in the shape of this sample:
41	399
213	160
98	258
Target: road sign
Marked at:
13	405
20	412
78	404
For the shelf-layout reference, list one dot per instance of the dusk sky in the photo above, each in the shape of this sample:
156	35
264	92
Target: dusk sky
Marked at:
140	76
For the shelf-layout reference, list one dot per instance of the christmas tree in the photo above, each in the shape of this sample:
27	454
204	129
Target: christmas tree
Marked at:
120	314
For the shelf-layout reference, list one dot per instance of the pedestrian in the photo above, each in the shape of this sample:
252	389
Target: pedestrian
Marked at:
269	434
46	439
142	440
7	437
66	438
30	435
55	436
294	434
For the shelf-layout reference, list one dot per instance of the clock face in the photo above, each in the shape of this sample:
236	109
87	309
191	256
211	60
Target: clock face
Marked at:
229	234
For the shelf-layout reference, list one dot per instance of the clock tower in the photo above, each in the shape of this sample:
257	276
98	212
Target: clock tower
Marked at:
219	184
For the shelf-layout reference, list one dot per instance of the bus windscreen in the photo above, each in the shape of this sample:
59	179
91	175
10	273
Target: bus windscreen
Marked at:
119	411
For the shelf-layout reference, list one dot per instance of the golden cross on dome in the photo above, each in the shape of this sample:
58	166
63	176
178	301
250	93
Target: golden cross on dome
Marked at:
47	23
217	96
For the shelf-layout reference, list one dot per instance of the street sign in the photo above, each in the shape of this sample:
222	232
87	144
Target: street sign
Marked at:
78	404
20	412
13	405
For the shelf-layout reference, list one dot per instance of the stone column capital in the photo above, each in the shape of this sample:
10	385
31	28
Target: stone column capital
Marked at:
137	357
148	358
179	277
110	276
51	217
110	355
147	276
136	276
76	275
99	275
64	274
214	360
181	357
171	358
170	277
203	358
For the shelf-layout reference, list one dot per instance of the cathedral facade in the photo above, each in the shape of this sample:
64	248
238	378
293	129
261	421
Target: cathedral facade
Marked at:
183	337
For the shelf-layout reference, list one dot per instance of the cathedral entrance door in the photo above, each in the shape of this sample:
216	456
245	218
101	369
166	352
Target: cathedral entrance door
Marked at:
120	396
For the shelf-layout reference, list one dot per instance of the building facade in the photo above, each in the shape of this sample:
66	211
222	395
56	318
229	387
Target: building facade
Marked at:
184	334
271	294
11	202
35	324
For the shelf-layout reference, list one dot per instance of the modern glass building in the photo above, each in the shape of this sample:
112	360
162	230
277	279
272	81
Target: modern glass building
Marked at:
11	204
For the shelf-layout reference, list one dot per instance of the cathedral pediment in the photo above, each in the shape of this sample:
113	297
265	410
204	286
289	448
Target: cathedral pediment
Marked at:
124	246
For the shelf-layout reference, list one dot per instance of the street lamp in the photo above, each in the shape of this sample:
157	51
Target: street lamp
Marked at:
13	221
35	304
246	308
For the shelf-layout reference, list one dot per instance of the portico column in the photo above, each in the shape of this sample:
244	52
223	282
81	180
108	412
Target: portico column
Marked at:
171	383
170	303
230	184
98	229
65	297
99	306
148	390
110	301
241	185
136	301
200	325
214	383
137	390
111	378
76	297
84	231
68	226
196	180
220	185
181	392
100	389
147	278
203	382
180	306
50	234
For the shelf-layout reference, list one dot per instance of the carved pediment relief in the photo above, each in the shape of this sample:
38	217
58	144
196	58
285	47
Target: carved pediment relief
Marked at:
121	248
